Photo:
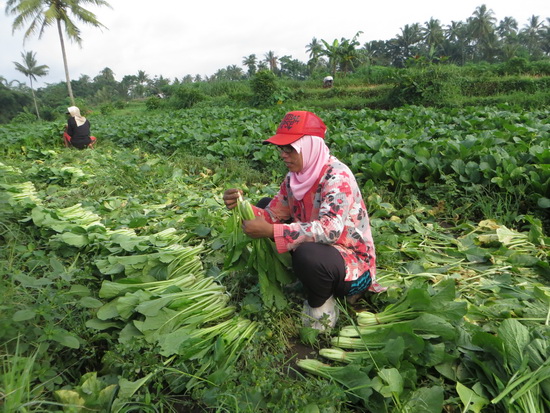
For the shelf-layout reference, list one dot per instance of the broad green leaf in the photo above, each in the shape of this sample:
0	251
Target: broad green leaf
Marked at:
75	240
515	337
391	384
470	399
425	400
108	310
97	324
434	326
90	302
23	315
128	388
69	397
63	337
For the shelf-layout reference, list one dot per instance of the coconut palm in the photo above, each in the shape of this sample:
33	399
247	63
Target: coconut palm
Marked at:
271	60
482	26
508	27
43	13
250	62
315	50
433	34
531	35
32	70
405	44
457	41
545	38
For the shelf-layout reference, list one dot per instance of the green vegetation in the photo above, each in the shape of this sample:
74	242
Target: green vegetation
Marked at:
120	291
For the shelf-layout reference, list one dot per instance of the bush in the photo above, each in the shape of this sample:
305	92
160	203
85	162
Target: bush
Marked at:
433	85
185	97
24	117
263	86
376	75
106	108
515	66
153	103
541	68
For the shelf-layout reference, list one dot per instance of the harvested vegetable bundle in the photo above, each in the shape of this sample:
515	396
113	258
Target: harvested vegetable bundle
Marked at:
262	257
185	313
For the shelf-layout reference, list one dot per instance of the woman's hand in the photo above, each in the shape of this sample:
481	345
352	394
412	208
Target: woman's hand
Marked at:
258	228
230	197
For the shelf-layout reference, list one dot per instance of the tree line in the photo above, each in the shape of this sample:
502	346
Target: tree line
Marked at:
479	39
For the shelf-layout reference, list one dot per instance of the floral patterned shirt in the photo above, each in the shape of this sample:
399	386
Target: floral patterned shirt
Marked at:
332	212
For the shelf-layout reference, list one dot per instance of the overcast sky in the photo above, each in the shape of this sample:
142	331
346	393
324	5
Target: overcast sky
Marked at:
174	38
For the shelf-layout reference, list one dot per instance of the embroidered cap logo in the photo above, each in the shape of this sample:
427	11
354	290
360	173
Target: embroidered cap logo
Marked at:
289	121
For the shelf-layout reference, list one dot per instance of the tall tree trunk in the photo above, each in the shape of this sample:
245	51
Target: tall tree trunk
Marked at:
67	77
34	98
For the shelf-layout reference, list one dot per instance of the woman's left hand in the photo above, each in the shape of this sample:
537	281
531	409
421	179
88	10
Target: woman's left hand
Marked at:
258	228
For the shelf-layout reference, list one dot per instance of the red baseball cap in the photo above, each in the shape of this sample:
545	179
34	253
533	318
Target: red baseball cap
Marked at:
295	125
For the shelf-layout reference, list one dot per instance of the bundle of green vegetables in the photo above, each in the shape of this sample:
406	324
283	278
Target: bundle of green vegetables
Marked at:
156	290
257	255
166	299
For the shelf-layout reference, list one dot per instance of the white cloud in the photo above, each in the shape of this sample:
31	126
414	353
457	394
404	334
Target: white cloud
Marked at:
173	38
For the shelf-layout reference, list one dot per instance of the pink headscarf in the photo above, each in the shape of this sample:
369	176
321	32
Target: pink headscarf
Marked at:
315	154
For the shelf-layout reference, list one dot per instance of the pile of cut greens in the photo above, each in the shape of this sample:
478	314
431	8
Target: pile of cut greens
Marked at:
472	315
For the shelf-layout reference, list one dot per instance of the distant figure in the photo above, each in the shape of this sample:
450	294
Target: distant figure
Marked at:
327	81
77	130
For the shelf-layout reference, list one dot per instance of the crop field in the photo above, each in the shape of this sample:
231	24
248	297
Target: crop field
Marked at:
126	285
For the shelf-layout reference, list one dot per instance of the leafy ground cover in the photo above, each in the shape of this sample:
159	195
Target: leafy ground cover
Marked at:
117	293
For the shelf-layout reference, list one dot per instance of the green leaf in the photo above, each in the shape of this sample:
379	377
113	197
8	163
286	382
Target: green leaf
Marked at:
63	337
23	315
69	397
97	324
433	325
108	311
90	302
128	388
391	383
515	337
470	399
425	400
308	335
75	240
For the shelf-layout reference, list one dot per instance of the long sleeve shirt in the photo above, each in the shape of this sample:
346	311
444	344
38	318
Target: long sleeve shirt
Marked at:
80	135
332	212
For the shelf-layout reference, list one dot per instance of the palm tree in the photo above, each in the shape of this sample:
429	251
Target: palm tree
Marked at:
545	38
315	50
433	35
508	27
531	35
30	69
250	62
271	60
142	80
43	13
457	39
406	43
482	26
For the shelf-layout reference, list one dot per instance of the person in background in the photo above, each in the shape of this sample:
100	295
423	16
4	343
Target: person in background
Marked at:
328	81
77	130
320	217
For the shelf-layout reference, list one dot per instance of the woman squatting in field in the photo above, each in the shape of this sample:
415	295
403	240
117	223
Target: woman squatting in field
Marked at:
320	217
